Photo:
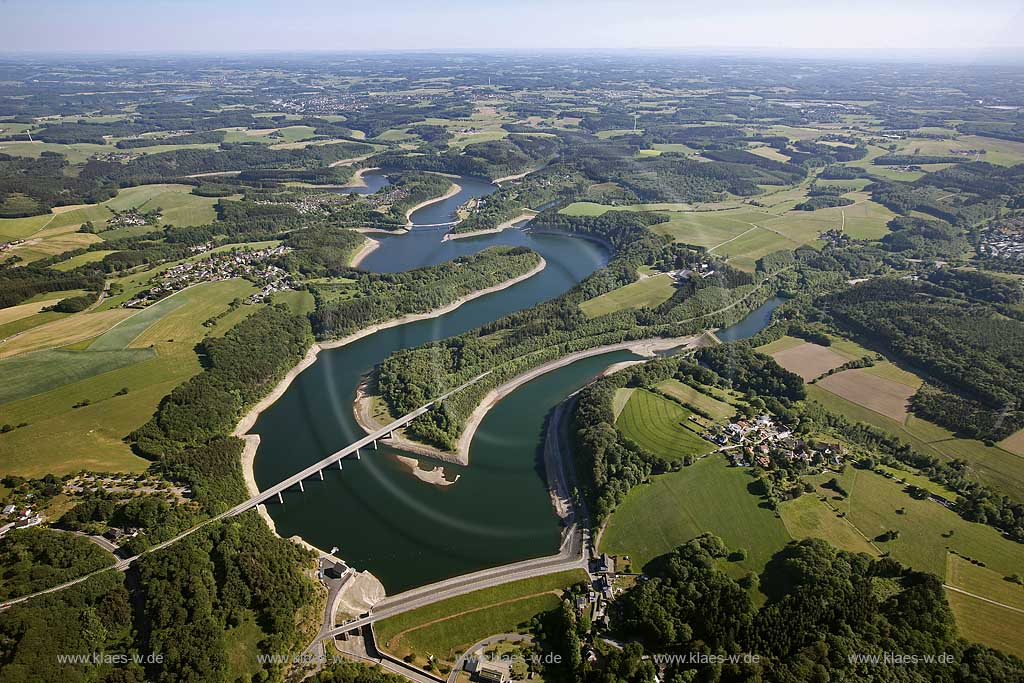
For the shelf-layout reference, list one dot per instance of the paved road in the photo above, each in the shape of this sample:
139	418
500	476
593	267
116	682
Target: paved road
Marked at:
573	555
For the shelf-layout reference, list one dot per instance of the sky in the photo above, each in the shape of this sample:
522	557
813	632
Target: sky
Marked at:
126	26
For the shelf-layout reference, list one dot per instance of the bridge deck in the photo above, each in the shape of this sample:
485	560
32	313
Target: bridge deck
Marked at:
346	451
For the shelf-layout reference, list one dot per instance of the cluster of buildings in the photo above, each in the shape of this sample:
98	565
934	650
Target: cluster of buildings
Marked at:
20	517
131	218
324	104
763	442
246	263
4	246
387	196
1005	240
313	203
701	270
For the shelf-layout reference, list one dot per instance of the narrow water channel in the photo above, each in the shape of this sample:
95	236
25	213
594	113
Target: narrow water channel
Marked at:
382	519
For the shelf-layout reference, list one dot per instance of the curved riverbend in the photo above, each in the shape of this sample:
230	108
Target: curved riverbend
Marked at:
404	530
409	532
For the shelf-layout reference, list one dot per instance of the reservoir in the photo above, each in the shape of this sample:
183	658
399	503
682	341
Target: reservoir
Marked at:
408	532
405	531
372	181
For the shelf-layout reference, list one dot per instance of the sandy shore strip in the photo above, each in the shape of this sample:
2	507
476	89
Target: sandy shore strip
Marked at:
249	419
434	476
526	215
452	191
368	247
357	179
643	347
362	411
517	176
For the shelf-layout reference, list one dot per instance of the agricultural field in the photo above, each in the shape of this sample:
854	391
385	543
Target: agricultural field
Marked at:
1014	443
146	360
177	204
978	619
930	537
662	427
717	409
809	517
992	465
871	390
63	332
707	497
808	360
51	241
448	627
646	292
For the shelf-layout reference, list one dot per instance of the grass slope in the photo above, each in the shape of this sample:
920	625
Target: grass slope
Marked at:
661	426
647	292
708	496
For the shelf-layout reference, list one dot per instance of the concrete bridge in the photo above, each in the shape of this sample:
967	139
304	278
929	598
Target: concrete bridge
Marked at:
276	490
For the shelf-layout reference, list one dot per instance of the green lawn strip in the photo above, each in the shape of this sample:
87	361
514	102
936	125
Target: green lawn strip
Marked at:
661	426
709	496
388	628
450	637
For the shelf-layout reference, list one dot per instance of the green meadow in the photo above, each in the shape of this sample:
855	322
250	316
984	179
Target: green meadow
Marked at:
661	427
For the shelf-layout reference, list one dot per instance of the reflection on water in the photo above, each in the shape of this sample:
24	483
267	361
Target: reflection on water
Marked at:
408	532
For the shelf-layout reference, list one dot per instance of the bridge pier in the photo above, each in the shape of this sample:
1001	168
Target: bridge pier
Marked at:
358	457
321	473
339	463
375	444
280	498
300	486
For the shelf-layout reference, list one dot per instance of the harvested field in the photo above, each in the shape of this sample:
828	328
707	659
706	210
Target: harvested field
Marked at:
1014	443
876	393
808	360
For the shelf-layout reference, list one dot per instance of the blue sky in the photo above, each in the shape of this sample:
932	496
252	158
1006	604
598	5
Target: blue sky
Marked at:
297	25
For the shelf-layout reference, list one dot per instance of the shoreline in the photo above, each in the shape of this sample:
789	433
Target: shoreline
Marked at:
434	476
368	248
452	191
593	238
357	178
642	347
361	411
527	215
248	420
516	176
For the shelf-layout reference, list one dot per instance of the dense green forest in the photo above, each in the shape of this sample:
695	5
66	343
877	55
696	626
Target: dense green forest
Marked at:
825	608
377	297
966	346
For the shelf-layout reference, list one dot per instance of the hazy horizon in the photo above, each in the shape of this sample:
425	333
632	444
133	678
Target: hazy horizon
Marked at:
983	31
